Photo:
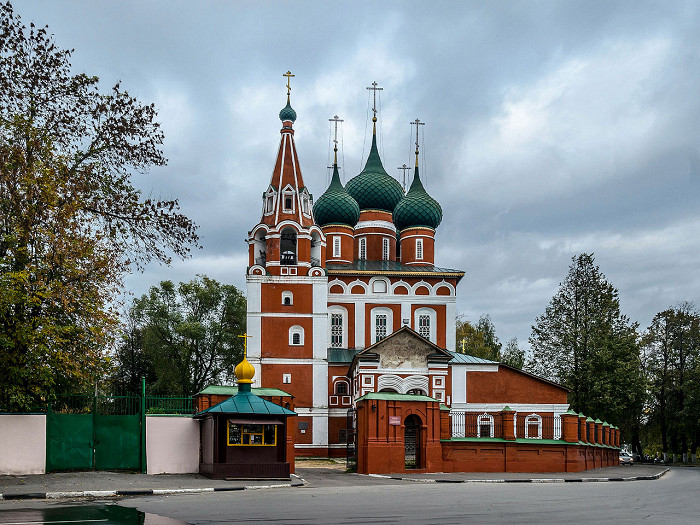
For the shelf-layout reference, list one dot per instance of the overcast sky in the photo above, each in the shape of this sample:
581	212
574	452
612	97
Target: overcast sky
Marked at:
552	128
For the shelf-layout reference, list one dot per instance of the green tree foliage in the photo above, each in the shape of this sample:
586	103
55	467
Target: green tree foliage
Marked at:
584	342
187	334
513	355
672	351
71	222
480	340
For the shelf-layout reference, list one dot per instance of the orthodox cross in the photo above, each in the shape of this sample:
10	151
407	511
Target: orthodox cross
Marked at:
404	168
245	340
374	88
289	75
417	123
464	342
336	120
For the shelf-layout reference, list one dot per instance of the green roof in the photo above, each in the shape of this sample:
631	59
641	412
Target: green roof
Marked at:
389	268
393	396
464	359
336	206
374	188
342	355
224	390
247	403
417	208
288	113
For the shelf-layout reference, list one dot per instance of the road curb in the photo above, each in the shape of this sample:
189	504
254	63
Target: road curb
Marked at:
144	492
523	480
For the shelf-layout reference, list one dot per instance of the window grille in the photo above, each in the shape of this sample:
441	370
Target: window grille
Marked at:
341	388
385	249
419	248
533	426
363	249
336	330
424	326
336	246
296	339
484	426
380	326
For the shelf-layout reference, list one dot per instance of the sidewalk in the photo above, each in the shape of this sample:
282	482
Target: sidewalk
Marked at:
104	484
619	473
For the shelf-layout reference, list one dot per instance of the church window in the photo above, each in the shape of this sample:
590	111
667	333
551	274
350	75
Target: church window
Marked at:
380	327
337	330
306	206
419	248
385	249
416	392
424	326
296	336
484	426
288	246
363	248
342	435
336	246
341	388
533	426
270	202
287	298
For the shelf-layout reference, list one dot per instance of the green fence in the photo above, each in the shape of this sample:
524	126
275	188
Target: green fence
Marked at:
104	432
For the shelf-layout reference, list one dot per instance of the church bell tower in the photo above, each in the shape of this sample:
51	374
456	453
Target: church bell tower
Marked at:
287	293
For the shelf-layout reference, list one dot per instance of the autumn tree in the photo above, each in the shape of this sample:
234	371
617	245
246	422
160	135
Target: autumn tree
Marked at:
71	220
190	333
584	342
512	354
478	340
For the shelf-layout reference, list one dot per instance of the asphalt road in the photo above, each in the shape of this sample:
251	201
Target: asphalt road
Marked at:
333	497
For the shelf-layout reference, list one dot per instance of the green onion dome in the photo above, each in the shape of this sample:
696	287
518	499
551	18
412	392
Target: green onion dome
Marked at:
374	188
336	206
417	208
288	113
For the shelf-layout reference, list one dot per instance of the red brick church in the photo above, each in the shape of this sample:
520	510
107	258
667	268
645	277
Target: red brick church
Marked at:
349	314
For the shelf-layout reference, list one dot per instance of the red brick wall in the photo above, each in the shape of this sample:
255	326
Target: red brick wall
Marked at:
511	386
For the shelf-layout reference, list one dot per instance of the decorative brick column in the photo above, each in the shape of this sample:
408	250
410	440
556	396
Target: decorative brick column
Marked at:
582	427
606	433
569	426
507	415
445	423
599	431
590	424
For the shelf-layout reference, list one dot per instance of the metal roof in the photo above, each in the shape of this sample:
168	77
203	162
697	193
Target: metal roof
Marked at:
247	403
464	359
225	390
342	355
393	396
389	268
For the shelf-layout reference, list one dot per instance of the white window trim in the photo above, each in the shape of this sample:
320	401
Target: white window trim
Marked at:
343	311
286	379
389	322
419	249
484	419
336	246
289	295
385	249
381	282
362	249
533	418
433	322
335	388
296	329
288	193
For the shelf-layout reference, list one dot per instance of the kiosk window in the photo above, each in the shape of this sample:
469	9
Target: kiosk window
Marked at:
242	434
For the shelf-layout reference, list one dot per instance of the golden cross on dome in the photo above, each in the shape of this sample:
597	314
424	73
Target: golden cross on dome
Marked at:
336	120
464	342
245	344
289	75
374	88
417	123
404	168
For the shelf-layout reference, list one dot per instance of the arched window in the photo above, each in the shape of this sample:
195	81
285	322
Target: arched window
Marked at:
484	426
338	327
382	323
425	323
379	286
287	298
288	246
533	426
341	388
296	335
363	249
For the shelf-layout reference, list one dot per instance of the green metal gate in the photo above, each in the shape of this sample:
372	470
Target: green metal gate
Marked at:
94	432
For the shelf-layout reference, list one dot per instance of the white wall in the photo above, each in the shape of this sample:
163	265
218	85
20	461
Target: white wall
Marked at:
172	445
22	444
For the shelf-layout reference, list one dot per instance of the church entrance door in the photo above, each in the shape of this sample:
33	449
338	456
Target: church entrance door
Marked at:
411	439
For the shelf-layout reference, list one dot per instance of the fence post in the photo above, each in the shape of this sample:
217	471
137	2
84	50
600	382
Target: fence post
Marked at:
507	430
143	425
